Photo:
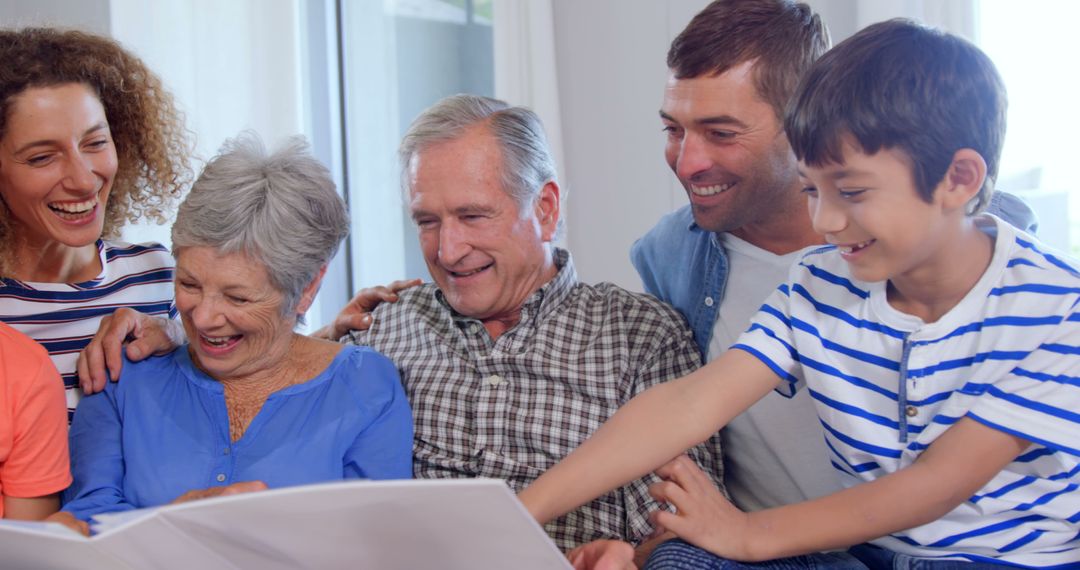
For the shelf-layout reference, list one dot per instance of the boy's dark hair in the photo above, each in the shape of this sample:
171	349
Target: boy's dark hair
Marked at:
898	84
784	37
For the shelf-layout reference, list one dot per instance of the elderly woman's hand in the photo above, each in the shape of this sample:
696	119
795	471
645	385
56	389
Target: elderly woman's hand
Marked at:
222	491
356	316
144	335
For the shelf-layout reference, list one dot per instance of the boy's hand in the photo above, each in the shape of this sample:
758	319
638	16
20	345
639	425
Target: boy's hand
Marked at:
144	335
703	516
603	555
356	315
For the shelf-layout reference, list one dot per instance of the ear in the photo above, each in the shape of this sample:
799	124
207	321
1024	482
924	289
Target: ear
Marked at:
963	179
547	210
307	296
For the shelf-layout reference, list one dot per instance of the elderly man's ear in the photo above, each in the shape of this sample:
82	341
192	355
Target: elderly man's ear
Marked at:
547	210
307	296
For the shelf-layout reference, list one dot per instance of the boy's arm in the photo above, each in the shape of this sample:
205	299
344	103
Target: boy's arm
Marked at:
650	430
950	471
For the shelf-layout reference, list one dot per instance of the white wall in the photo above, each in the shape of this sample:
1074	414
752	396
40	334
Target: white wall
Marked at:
90	15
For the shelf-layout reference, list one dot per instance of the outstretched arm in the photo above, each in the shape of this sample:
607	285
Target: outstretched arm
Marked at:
648	431
954	467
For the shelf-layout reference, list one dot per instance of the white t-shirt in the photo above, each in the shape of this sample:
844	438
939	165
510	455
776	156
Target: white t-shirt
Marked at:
774	453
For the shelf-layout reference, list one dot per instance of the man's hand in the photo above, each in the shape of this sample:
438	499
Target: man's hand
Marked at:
703	516
144	334
222	491
603	555
356	316
67	519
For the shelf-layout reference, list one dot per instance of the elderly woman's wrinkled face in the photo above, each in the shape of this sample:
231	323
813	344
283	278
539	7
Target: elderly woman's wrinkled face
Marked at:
57	165
231	313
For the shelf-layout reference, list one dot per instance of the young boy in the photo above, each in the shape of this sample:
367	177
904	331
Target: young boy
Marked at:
939	346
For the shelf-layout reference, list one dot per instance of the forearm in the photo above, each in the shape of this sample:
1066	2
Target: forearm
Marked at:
31	508
853	516
650	430
955	466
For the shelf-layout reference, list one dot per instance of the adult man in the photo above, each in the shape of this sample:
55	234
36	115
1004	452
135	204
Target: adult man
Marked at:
508	361
732	71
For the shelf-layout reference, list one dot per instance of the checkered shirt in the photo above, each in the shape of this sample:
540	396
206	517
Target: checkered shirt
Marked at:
512	407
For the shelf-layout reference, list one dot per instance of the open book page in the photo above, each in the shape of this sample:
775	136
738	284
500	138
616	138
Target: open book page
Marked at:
459	523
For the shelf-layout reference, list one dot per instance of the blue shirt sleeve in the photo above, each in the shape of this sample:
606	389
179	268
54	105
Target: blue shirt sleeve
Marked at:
97	458
383	449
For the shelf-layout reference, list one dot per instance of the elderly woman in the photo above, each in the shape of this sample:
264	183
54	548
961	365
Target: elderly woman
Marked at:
248	399
89	140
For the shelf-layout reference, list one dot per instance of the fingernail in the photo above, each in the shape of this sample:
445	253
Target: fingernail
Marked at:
366	318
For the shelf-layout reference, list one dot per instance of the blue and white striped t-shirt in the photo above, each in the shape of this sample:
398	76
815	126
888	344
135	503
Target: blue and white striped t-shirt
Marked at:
886	385
63	317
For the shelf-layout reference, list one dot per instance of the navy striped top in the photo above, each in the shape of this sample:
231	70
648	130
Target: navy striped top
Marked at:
886	385
63	317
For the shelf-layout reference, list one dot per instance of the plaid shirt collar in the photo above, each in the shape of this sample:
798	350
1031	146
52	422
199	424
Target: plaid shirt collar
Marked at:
537	306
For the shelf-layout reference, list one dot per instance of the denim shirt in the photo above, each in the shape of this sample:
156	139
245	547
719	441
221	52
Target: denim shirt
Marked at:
685	265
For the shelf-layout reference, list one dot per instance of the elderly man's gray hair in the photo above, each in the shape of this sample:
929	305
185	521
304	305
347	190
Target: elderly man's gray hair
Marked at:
527	164
281	209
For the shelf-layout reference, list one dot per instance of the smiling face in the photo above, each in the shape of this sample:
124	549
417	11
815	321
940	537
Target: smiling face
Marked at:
57	165
484	253
728	150
869	208
231	313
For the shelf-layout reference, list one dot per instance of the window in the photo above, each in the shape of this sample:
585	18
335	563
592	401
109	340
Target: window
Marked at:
1034	46
398	58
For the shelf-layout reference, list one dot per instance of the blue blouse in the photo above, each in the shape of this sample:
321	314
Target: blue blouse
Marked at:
163	430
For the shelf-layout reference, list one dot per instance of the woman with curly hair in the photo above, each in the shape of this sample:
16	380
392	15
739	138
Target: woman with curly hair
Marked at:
89	140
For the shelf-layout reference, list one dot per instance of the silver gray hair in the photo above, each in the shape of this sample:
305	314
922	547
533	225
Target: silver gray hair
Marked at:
527	164
280	208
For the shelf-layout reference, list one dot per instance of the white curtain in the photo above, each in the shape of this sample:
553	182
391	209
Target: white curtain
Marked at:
525	74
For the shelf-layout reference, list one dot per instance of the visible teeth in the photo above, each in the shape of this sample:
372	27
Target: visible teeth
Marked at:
851	248
710	190
75	207
218	340
468	273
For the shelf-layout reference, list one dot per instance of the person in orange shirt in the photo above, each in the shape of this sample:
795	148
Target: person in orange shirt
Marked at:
33	430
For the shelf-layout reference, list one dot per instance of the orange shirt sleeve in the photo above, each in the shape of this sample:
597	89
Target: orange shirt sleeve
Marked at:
33	420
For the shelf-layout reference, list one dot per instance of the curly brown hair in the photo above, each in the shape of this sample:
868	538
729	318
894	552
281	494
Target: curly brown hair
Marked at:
153	147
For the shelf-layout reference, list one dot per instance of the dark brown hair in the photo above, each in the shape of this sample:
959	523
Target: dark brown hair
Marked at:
898	84
782	37
152	144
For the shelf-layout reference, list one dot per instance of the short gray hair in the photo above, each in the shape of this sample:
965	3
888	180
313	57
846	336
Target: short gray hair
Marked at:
527	164
281	209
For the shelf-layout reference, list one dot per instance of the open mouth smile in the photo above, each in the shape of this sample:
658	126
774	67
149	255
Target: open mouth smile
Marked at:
219	343
462	274
710	190
853	248
74	210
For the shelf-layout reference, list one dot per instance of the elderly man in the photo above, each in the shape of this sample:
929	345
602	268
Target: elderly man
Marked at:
508	360
731	73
